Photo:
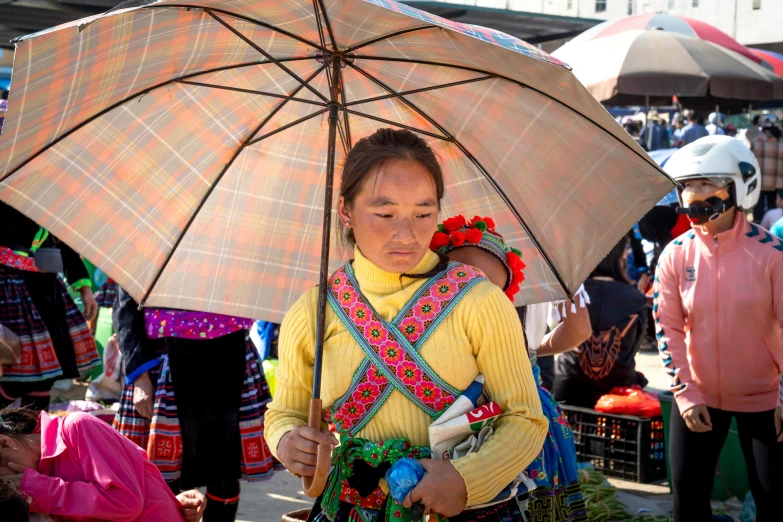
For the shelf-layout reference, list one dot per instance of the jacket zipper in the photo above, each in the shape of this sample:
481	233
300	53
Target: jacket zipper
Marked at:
715	309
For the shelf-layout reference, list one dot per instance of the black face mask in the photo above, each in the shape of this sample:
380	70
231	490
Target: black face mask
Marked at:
701	212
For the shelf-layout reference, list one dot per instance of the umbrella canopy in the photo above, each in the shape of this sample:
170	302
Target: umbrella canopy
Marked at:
639	67
671	23
771	58
184	149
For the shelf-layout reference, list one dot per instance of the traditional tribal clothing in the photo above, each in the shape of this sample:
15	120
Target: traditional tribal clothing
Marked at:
56	340
210	400
396	326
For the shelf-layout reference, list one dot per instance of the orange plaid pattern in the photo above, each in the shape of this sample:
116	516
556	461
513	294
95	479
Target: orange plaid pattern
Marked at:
769	153
125	137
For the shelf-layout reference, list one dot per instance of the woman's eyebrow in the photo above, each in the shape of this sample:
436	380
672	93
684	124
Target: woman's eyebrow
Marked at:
382	201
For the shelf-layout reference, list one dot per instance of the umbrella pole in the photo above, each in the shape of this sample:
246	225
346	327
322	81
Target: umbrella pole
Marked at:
314	486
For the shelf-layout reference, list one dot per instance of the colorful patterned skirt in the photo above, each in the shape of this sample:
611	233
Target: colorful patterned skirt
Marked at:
176	437
56	340
558	496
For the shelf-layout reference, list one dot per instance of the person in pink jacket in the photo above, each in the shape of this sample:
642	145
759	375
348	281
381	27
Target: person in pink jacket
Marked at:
78	468
718	313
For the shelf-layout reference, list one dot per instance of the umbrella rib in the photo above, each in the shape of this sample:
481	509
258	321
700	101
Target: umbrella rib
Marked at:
415	91
240	17
318	24
342	136
347	123
527	86
396	124
266	54
250	91
287	126
328	25
203	201
134	96
390	35
479	166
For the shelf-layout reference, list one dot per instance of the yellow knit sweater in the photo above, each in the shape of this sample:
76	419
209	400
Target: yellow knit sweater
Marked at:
481	335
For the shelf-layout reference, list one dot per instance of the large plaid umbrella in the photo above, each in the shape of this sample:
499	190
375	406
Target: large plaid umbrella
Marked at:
188	148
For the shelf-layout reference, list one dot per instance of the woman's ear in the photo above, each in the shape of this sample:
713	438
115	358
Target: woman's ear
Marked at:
6	442
343	212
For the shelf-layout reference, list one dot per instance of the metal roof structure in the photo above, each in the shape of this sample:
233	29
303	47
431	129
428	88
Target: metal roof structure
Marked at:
21	17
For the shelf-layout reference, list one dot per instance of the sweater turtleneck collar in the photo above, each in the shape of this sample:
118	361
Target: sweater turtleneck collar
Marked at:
373	279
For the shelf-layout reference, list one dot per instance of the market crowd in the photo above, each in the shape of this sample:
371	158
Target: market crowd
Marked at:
417	322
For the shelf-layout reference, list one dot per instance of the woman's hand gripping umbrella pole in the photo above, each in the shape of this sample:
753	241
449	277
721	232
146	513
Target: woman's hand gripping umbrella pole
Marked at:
314	486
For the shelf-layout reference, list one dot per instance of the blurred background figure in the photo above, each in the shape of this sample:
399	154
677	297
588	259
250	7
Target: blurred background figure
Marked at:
769	153
715	125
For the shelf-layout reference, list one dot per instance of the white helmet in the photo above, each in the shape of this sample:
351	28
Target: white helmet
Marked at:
719	158
716	118
768	121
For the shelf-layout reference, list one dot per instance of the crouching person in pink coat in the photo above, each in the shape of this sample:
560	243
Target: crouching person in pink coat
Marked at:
78	468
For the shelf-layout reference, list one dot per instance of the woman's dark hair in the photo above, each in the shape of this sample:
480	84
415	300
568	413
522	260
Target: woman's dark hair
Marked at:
373	153
612	265
15	422
13	504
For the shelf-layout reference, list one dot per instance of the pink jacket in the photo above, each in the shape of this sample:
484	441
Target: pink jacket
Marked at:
718	314
88	471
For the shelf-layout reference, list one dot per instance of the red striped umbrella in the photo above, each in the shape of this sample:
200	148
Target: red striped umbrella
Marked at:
774	60
671	23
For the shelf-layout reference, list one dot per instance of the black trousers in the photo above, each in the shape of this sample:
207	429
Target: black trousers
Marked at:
694	457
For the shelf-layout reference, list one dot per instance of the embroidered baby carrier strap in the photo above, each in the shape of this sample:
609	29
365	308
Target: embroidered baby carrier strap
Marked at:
392	348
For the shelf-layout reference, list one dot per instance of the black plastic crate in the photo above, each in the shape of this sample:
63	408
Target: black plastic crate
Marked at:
621	446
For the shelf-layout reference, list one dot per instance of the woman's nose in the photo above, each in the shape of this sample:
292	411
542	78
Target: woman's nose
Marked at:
404	231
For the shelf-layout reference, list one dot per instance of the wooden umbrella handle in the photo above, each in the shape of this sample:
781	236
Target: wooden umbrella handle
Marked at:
314	486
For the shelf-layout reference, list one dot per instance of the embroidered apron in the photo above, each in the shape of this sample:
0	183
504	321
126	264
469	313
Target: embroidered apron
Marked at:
392	362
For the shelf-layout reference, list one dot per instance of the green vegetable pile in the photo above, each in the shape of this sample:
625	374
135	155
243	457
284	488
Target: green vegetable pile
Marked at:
602	504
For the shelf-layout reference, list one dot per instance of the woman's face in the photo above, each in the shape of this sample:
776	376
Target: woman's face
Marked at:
25	453
394	216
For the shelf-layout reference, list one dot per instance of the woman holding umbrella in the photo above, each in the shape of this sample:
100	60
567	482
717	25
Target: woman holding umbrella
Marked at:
405	332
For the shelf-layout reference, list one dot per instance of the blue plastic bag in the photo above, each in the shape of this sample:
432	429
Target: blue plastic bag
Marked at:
403	477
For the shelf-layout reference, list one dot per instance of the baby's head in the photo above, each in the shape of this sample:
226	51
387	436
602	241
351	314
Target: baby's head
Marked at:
16	428
13	504
476	243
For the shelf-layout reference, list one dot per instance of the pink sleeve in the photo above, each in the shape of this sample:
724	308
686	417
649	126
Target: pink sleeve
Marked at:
112	489
776	274
670	331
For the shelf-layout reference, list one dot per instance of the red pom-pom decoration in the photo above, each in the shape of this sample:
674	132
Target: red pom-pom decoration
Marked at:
455	223
439	240
457	238
474	235
490	223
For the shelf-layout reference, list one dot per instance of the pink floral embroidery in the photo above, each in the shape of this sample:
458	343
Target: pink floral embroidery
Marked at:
412	328
360	314
374	333
409	373
427	308
444	289
376	376
428	393
366	393
461	274
353	411
392	353
347	296
374	385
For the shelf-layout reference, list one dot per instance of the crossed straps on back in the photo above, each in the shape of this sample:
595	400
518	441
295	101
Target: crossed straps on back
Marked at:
392	360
